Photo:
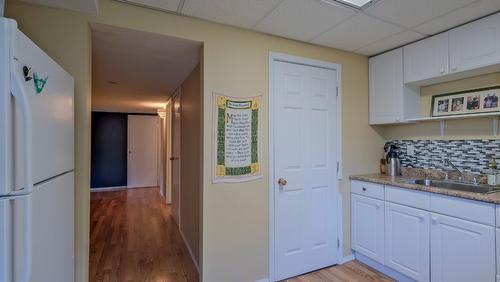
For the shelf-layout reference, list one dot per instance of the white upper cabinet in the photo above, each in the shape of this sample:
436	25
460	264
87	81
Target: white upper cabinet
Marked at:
475	45
390	100
386	81
426	59
395	77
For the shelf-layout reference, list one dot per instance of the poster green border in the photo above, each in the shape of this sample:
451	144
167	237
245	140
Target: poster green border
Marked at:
221	138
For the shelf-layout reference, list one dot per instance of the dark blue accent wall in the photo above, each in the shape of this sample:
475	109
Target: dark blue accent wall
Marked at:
108	150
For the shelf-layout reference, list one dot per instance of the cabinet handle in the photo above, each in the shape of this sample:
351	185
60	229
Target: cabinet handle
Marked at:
421	217
434	219
364	189
378	205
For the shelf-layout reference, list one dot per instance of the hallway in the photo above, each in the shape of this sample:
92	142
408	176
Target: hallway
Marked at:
134	238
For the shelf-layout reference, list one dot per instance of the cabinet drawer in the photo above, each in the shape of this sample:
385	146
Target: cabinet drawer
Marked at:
368	189
465	209
412	198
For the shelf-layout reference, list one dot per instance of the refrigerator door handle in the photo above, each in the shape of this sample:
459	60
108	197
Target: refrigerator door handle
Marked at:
19	94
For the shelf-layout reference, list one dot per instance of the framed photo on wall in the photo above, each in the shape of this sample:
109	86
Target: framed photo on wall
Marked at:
482	100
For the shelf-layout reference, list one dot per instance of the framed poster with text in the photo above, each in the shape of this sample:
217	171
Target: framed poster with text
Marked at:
237	139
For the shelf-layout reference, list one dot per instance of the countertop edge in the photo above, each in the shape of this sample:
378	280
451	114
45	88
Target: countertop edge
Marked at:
395	182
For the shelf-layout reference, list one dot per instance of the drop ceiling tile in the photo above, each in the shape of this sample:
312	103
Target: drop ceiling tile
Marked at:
241	13
166	5
410	13
460	16
358	31
391	42
303	19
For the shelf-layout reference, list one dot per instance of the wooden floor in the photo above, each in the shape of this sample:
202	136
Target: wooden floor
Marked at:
353	271
134	238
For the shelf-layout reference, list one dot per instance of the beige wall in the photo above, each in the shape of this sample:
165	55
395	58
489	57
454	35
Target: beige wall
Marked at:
454	129
235	62
191	184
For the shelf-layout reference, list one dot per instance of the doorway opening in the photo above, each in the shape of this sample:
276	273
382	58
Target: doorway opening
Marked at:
145	156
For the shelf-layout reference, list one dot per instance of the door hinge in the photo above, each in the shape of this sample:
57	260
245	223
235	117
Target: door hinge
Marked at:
337	89
338	167
338	243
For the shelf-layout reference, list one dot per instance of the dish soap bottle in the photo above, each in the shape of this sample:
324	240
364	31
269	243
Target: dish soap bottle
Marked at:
493	173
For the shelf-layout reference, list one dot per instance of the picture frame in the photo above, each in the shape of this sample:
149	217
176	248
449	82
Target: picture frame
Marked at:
482	100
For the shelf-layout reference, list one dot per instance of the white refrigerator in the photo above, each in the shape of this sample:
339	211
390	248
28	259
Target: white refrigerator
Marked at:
36	162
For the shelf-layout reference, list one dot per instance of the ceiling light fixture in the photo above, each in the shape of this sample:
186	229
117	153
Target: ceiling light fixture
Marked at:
357	4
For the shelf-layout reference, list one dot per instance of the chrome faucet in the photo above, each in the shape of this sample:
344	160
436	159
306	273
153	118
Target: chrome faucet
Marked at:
446	161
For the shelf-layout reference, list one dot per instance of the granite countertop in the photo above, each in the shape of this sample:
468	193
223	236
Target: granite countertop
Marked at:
397	182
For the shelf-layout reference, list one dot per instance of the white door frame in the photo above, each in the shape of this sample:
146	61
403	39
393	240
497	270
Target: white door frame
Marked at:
177	94
168	151
280	57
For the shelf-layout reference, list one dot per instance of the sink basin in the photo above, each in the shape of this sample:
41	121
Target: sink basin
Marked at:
459	186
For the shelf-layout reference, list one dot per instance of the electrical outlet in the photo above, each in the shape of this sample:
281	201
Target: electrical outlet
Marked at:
410	150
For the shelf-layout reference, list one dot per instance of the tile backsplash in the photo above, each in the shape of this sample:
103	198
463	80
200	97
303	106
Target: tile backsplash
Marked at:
469	155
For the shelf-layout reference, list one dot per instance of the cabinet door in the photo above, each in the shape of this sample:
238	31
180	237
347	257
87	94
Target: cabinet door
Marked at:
368	227
426	59
386	87
498	251
475	45
461	250
407	241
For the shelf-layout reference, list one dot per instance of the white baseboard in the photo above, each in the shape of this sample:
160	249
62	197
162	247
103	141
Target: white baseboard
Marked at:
347	259
118	188
382	268
189	250
103	189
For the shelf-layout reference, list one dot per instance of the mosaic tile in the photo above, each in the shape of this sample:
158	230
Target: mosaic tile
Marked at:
468	155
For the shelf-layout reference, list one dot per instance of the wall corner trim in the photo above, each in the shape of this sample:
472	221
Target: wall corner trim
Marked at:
347	259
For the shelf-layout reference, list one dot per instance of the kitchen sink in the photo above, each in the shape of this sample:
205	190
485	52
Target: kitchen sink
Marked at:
452	185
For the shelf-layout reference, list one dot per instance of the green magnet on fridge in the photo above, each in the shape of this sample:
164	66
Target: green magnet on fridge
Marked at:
39	82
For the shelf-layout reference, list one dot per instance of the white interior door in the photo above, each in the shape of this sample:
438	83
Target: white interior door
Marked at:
142	151
305	161
175	158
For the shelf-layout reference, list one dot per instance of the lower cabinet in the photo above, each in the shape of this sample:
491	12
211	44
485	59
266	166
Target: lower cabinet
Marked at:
461	250
426	237
498	247
407	241
368	227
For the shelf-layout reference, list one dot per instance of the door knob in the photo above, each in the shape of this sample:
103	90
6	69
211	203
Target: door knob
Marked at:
282	181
